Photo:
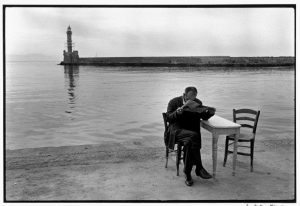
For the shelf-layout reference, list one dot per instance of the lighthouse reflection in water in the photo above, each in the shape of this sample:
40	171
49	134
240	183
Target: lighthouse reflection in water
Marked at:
71	82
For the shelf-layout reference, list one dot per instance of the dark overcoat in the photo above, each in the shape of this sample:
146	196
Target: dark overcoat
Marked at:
179	121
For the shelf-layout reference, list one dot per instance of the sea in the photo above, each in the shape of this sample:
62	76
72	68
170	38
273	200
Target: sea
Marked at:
50	105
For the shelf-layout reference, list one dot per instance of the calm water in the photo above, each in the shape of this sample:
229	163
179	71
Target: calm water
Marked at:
49	105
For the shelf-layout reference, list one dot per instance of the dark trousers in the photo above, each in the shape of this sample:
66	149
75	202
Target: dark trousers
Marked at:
192	142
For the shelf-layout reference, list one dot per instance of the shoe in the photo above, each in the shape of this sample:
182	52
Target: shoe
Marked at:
203	173
188	180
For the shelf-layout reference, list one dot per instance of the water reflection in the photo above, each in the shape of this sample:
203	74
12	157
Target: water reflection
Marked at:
71	81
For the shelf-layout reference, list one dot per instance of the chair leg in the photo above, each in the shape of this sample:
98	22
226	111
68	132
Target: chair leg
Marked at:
226	151
167	157
179	154
178	157
252	153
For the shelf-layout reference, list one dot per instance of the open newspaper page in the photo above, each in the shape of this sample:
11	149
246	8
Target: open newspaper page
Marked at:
192	106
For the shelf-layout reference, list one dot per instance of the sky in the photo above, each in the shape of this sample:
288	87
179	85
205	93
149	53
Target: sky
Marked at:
104	32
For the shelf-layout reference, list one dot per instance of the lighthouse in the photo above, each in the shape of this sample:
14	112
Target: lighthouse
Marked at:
69	39
70	56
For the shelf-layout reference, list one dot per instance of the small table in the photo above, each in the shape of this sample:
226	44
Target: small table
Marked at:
220	126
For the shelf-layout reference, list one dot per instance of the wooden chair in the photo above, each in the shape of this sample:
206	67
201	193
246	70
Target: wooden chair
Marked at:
177	151
247	118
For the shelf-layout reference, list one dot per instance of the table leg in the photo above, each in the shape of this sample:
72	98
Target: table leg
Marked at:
214	152
237	135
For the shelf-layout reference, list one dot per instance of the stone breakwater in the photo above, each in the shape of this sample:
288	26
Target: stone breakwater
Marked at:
185	61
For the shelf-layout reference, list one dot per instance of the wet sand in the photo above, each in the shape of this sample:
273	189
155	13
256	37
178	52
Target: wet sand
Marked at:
135	170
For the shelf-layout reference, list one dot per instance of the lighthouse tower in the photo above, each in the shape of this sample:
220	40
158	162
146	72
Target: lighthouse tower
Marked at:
70	56
69	39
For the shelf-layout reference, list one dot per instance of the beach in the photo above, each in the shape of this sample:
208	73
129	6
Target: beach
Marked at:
135	171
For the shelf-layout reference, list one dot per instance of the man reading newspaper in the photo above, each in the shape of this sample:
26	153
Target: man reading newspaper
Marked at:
184	114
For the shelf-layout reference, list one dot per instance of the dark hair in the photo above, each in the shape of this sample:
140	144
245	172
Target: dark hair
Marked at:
188	89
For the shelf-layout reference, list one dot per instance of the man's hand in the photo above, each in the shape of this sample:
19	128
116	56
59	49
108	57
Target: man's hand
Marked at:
179	110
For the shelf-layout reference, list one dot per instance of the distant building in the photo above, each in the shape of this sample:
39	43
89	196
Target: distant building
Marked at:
70	57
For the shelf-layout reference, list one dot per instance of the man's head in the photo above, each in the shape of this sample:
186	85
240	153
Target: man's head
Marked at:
190	93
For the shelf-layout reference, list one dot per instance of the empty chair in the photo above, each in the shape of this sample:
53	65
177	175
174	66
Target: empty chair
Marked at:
178	150
248	119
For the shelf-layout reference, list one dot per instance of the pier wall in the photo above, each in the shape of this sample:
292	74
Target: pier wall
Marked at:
188	61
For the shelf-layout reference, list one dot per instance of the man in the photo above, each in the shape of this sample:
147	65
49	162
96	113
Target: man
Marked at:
185	127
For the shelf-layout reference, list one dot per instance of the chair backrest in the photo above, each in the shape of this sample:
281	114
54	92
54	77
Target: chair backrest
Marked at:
165	121
246	118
